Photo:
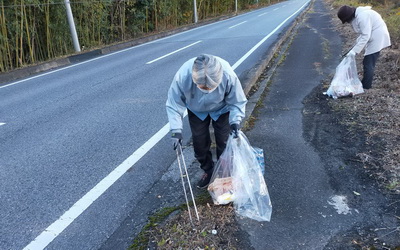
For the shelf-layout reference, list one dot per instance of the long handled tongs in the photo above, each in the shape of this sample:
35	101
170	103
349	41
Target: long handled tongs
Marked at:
182	158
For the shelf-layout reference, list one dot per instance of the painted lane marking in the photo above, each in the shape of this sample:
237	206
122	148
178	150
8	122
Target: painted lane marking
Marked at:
265	38
264	13
2	123
57	227
275	9
173	52
81	205
237	25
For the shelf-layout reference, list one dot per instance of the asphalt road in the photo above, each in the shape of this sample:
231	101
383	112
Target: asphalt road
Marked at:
83	147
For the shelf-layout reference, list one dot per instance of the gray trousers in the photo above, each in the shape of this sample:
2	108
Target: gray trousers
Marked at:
202	138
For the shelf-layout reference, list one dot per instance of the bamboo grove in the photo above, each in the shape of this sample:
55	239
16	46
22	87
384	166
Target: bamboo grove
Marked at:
33	31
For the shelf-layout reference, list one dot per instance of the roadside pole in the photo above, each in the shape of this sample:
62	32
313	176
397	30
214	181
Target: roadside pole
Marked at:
235	6
72	26
195	11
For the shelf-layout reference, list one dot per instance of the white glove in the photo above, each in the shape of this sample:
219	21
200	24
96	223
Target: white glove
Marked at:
351	53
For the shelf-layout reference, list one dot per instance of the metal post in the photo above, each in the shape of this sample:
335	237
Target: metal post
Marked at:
72	26
235	6
195	11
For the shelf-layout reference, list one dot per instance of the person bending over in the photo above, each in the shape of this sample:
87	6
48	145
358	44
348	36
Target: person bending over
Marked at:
373	37
208	88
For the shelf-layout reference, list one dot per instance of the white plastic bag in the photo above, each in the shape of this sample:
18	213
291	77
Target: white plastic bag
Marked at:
238	177
346	81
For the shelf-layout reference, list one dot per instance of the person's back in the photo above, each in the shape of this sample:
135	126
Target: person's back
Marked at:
373	29
373	37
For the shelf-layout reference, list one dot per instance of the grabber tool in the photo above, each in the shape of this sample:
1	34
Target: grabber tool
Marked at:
180	157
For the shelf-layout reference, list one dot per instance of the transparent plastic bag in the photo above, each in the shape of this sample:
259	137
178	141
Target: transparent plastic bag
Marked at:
346	81
238	177
259	152
220	187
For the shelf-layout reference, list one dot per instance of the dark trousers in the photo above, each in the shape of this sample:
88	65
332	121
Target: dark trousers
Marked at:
202	139
369	68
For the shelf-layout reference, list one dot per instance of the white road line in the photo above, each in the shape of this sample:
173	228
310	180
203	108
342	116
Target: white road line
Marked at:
80	206
237	25
264	13
173	52
2	123
117	52
265	38
55	229
275	9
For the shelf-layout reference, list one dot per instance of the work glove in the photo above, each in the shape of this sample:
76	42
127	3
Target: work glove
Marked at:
176	139
351	53
235	130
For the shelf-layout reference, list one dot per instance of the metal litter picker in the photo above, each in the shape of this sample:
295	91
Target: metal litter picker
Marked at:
180	157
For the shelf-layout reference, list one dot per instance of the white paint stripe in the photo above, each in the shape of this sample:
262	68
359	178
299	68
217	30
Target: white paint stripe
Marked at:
265	38
2	123
275	9
173	52
70	66
80	206
264	13
50	233
55	229
120	51
237	25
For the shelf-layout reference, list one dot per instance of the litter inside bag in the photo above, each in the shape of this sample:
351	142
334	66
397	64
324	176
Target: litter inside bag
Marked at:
220	187
346	81
222	190
238	178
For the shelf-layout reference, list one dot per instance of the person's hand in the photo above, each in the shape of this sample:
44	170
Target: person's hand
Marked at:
176	139
351	53
235	130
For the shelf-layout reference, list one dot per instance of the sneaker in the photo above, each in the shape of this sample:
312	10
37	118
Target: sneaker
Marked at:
205	180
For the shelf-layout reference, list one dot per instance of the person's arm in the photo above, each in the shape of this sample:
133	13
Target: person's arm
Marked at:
235	98
365	27
175	105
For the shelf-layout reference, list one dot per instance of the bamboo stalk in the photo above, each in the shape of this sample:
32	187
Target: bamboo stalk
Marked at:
8	58
28	37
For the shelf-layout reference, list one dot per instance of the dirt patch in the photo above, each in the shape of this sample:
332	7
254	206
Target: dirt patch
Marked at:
215	230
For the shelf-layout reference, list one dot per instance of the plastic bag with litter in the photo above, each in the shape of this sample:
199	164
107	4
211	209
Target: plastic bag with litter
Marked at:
220	187
238	177
346	81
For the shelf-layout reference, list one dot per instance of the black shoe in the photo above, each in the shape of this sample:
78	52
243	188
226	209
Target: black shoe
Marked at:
205	180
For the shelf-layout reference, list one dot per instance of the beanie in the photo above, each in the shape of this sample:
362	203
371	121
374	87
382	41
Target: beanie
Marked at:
346	13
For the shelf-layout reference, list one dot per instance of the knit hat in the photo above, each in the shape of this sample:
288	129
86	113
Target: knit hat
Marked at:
207	70
346	13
